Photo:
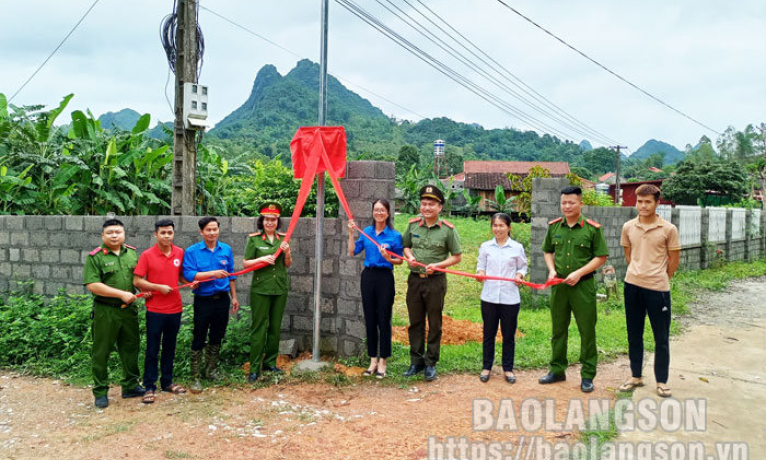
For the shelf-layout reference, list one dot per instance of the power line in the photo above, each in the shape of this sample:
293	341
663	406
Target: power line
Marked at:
299	56
445	69
426	32
505	73
615	74
54	51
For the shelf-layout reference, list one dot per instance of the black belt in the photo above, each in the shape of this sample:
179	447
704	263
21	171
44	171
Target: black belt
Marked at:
109	301
582	278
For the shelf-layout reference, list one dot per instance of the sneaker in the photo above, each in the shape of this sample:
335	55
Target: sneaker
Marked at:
136	392
102	402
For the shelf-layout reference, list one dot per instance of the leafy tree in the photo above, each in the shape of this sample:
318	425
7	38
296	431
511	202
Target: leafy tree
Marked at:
694	182
472	203
408	156
524	186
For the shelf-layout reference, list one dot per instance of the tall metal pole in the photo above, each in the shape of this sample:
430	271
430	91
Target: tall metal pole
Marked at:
617	175
319	233
184	140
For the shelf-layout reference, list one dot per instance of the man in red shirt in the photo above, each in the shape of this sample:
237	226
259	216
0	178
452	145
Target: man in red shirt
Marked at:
159	270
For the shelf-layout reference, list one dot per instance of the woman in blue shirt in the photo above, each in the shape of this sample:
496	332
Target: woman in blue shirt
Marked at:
377	282
500	300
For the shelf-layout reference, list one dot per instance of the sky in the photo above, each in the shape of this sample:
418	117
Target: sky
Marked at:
705	58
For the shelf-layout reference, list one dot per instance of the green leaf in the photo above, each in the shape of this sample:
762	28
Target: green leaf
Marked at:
142	124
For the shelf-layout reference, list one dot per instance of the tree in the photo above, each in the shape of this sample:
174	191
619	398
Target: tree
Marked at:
408	156
694	182
501	203
524	186
738	145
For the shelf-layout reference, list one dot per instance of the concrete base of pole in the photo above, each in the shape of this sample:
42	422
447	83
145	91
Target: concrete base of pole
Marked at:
309	366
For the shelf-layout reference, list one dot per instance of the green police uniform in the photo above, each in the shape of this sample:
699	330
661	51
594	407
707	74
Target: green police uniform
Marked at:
111	322
268	297
573	247
425	294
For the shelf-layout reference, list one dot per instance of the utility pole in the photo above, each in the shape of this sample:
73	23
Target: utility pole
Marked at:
617	175
185	140
319	233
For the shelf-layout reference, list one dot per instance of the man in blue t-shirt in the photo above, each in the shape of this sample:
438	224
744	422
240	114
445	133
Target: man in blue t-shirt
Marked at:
202	261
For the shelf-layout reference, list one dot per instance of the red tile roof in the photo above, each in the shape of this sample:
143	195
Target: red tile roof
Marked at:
486	175
605	176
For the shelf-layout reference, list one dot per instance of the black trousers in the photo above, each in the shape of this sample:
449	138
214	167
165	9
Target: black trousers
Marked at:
160	329
211	315
378	302
425	300
640	302
507	317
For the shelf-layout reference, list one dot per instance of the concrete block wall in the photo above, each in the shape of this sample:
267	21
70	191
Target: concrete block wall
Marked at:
50	251
545	207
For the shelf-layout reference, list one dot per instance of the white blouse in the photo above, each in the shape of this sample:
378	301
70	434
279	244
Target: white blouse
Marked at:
503	261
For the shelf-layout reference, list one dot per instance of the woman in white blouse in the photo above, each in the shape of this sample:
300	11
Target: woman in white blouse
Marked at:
500	300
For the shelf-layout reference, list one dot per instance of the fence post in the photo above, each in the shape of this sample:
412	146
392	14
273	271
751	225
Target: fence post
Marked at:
748	235
704	232
729	232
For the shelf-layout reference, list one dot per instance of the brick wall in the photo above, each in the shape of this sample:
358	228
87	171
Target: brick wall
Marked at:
50	251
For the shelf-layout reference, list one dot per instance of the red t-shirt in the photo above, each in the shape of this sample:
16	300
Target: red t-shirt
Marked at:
161	269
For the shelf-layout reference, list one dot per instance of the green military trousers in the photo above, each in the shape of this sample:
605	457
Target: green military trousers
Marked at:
115	325
425	301
267	311
579	299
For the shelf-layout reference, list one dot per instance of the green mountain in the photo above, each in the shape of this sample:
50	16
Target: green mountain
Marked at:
278	105
126	119
652	146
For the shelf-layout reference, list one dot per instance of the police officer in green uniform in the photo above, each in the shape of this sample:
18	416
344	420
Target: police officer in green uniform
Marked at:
434	242
574	248
268	291
108	274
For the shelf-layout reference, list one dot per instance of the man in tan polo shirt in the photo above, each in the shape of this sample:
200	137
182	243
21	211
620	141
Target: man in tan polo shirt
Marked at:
652	251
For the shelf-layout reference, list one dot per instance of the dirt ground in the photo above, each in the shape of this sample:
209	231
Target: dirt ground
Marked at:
720	357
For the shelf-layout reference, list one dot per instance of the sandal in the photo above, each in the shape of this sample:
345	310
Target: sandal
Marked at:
175	388
663	391
630	386
148	397
370	371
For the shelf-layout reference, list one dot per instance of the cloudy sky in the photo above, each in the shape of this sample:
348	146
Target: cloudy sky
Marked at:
706	58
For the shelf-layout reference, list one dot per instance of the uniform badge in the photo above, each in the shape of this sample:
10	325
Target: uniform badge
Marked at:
429	190
106	251
176	263
224	261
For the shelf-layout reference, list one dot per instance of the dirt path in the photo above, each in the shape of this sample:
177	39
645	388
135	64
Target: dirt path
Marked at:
724	345
722	359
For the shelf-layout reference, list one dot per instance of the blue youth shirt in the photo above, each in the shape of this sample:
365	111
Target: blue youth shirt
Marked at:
198	258
389	238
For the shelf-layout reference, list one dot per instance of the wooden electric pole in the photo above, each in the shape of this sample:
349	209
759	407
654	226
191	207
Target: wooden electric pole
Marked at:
617	175
185	140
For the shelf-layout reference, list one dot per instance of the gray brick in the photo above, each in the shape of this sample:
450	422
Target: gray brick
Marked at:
351	308
49	255
361	170
302	284
52	289
14	254
3	254
14	222
328	344
60	272
351	348
385	170
74	223
22	271
41	272
242	225
350	267
330	286
75	289
31	255
188	224
328	306
355	328
5	238
93	224
351	188
352	289
374	189
70	256
19	239
303	323
6	269
3	218
54	222
33	223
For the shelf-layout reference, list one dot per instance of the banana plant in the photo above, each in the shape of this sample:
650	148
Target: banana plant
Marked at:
501	203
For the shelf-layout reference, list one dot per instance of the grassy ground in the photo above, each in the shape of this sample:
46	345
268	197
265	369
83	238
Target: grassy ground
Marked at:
533	349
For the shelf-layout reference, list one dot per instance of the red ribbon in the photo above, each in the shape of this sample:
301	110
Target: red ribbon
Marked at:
309	146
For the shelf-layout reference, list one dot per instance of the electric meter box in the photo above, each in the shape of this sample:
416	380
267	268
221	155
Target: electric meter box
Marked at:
195	106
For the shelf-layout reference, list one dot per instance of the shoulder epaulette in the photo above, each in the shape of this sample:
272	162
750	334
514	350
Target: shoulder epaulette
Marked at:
131	247
414	219
593	223
258	233
554	221
448	223
95	251
281	234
